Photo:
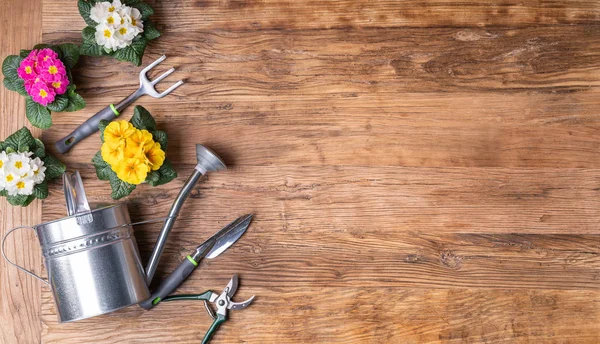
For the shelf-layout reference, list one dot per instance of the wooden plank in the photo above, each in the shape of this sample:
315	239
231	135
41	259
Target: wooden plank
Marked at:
191	15
19	294
330	98
319	200
310	314
406	227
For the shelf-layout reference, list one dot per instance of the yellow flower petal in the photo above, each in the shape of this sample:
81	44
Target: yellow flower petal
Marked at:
155	156
132	171
139	139
111	154
117	132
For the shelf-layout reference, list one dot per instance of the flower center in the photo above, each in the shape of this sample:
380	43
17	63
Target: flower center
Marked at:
18	164
133	22
1	163
107	33
122	31
28	70
24	176
46	58
110	20
122	21
35	173
21	185
56	84
9	178
52	70
43	93
111	9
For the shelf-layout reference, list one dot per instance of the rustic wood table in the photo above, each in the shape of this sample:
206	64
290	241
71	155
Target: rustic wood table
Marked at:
421	172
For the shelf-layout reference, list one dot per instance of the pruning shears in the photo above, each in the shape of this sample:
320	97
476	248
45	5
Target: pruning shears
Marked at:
222	302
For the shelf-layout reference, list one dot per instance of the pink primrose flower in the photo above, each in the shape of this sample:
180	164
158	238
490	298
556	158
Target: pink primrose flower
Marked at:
42	94
60	87
26	70
52	70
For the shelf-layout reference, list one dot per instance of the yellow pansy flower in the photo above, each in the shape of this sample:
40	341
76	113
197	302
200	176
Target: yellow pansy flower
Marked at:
132	171
112	154
117	132
154	155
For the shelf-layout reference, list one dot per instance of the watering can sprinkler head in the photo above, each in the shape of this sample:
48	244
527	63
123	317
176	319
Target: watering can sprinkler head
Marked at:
208	161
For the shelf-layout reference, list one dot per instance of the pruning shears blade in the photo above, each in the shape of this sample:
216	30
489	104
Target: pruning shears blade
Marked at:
232	286
240	305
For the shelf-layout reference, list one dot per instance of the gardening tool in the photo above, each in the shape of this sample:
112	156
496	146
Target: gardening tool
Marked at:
222	301
91	256
208	161
210	249
112	111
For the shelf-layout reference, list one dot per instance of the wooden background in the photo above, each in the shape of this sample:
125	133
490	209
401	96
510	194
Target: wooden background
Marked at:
421	172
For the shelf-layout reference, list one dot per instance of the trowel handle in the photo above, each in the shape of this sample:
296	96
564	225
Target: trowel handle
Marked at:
171	283
86	129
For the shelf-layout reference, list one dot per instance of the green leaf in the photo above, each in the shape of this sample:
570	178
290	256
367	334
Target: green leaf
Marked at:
160	137
101	126
20	140
120	188
3	193
54	167
89	46
103	170
70	54
20	200
150	31
24	53
37	114
39	149
41	190
10	65
145	9
9	149
142	119
166	174
59	104
76	101
84	9
16	85
132	53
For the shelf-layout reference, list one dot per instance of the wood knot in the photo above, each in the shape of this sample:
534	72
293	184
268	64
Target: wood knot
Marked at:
450	260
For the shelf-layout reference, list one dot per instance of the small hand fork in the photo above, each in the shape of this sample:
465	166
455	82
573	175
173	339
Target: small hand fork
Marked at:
112	111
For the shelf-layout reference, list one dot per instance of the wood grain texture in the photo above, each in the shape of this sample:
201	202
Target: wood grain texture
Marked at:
192	15
420	172
19	294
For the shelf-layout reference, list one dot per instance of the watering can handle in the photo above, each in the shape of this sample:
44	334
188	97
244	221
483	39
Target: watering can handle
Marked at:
15	265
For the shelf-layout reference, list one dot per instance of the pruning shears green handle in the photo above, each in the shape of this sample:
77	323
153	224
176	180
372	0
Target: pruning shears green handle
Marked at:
213	328
222	301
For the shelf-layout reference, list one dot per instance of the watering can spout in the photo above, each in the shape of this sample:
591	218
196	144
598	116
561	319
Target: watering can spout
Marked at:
76	200
207	161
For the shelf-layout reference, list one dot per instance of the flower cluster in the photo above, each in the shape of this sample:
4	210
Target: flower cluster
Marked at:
44	75
118	24
130	152
19	173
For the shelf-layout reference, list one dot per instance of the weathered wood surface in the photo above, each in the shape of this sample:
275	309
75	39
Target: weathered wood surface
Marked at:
420	172
21	27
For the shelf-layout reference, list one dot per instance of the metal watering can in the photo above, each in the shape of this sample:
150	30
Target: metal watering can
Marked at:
91	256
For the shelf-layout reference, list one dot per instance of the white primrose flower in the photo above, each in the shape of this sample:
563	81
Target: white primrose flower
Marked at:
3	162
18	163
38	170
99	12
19	173
118	24
105	36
